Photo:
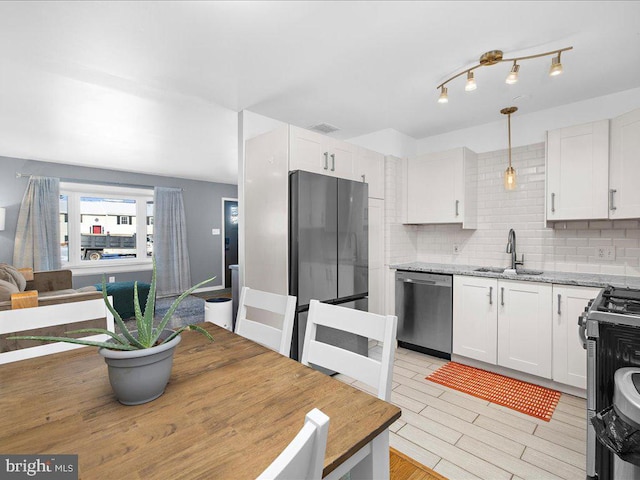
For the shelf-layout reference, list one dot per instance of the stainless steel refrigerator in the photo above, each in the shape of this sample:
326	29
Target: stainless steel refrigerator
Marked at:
328	251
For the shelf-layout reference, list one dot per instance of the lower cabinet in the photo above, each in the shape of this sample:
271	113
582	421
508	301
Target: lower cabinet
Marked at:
475	318
569	357
524	326
503	322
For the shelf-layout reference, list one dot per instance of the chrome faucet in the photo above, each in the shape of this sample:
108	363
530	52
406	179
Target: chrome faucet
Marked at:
511	248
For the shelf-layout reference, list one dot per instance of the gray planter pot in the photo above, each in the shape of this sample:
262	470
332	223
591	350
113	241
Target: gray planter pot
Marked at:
139	376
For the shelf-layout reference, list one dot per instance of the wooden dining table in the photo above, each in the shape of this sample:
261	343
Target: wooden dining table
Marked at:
230	408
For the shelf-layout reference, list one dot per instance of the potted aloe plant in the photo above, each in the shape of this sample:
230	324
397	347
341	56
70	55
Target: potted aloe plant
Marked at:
139	361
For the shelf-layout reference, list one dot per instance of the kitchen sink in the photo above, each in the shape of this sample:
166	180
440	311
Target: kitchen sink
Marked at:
490	270
526	271
520	271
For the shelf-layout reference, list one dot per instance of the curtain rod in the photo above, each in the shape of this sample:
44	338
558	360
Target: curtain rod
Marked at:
96	182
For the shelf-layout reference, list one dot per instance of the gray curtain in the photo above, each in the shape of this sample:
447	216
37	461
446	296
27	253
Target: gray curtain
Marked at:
170	242
37	243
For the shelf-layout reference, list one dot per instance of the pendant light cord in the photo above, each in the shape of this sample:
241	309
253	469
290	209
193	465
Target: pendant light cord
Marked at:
509	123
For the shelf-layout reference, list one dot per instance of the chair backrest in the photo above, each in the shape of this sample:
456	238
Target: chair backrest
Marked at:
304	456
22	320
375	373
282	305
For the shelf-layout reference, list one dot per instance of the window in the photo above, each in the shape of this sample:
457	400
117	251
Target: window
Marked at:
98	224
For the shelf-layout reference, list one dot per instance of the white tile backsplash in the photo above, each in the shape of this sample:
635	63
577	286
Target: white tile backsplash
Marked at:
561	246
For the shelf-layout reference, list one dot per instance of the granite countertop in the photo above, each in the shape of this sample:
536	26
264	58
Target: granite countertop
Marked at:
563	278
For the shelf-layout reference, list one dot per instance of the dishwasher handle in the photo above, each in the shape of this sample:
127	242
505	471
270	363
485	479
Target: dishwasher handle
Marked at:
421	282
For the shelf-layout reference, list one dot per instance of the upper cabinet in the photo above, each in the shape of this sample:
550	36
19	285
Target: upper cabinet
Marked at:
442	188
369	167
592	170
317	153
577	172
624	166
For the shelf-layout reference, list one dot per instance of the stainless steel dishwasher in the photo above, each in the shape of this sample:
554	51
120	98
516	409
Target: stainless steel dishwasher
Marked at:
424	306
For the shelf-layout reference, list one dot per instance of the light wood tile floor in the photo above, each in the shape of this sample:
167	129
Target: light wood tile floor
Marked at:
464	437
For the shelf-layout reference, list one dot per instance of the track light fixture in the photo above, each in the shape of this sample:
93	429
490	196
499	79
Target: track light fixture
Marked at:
513	74
471	82
443	98
496	56
556	66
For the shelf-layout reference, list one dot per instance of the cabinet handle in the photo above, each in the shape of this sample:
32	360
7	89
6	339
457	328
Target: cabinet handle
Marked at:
490	295
611	205
559	301
457	205
333	162
553	202
326	160
502	296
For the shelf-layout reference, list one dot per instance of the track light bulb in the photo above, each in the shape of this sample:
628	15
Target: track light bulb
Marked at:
556	66
471	82
443	98
513	74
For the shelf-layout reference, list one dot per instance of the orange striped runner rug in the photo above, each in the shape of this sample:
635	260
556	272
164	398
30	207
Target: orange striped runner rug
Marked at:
527	398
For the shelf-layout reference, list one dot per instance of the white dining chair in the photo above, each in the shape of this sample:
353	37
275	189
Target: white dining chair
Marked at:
283	306
382	328
20	321
375	373
303	459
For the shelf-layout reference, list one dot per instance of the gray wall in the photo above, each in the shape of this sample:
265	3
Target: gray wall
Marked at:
203	209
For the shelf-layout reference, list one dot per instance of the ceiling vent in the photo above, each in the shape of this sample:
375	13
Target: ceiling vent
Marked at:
324	128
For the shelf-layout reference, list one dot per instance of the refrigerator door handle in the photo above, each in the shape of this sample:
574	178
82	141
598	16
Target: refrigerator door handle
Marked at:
326	160
333	162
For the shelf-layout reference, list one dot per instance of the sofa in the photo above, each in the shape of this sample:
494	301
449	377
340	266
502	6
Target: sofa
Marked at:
52	287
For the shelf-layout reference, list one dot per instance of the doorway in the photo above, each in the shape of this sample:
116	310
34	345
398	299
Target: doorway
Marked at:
230	237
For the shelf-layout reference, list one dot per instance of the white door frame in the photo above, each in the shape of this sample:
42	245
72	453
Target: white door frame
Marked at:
222	230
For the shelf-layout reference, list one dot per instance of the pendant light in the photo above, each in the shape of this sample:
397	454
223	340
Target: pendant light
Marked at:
510	173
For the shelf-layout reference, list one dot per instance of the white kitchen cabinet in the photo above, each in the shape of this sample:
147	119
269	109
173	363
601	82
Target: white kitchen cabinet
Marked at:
624	166
376	256
503	322
524	326
442	188
317	153
266	218
369	167
475	318
569	357
578	172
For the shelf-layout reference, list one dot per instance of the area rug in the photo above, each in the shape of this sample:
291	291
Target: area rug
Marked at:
403	467
190	310
527	398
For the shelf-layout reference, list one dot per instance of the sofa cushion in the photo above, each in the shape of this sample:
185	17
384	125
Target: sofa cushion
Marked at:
9	273
6	289
57	293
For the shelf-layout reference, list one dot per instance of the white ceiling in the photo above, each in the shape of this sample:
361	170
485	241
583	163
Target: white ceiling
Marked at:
155	86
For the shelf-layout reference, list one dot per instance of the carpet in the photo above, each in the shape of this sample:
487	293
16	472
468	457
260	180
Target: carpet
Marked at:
405	468
527	398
